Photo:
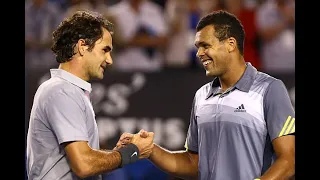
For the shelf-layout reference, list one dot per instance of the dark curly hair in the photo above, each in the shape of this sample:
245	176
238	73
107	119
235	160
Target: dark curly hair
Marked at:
226	25
81	25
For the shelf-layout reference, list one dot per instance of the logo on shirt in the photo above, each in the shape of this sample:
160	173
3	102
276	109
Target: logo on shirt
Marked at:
240	109
134	154
288	127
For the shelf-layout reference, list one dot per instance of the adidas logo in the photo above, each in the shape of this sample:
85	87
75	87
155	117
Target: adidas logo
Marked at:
240	109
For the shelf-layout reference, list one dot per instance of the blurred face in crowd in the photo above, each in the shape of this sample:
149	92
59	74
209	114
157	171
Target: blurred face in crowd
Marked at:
96	61
213	54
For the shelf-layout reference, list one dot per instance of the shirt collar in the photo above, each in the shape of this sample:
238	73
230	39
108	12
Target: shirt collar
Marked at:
243	84
71	78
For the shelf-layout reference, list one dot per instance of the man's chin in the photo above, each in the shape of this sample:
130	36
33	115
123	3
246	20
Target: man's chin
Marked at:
209	73
100	77
97	77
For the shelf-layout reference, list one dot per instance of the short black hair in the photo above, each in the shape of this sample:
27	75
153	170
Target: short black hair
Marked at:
81	25
226	25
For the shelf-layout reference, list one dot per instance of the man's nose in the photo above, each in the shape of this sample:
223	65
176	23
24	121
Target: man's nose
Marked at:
200	53
109	59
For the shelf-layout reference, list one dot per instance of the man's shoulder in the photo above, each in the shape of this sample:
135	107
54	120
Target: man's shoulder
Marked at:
262	77
54	86
265	82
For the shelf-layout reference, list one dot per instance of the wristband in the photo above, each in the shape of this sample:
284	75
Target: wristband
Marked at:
129	154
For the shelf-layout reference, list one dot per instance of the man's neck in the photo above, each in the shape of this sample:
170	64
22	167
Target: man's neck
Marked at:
74	69
233	75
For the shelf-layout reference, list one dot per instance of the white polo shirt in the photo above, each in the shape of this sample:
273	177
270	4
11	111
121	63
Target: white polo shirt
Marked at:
61	112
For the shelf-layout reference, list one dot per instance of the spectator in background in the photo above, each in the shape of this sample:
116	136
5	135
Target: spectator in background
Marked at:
182	17
177	51
92	5
143	29
41	18
276	21
247	16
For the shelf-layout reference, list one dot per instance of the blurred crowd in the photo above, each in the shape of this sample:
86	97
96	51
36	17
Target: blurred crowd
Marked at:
152	35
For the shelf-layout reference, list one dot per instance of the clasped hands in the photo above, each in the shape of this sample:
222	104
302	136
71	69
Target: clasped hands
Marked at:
143	140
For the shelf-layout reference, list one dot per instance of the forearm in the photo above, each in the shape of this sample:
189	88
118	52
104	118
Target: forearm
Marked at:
98	162
270	33
281	169
177	163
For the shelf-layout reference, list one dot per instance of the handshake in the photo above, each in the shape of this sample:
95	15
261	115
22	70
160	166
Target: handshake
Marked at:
135	146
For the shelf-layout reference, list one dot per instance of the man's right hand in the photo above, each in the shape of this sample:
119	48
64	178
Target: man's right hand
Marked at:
143	140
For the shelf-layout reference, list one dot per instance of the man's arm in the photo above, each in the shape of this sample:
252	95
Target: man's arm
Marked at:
280	120
269	33
177	163
283	167
182	164
85	161
68	121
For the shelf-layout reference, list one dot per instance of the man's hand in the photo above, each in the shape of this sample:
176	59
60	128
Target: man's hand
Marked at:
143	140
124	139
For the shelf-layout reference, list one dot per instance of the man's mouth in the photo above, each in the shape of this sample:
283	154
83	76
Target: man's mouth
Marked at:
103	67
206	62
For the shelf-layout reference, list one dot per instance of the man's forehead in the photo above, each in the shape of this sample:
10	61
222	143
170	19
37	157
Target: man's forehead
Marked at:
106	35
200	36
209	29
204	33
106	39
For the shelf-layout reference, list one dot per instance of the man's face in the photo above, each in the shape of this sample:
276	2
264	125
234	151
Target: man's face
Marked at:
212	53
97	60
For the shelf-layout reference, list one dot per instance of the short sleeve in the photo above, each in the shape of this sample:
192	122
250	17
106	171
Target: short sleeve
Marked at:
278	109
66	117
192	136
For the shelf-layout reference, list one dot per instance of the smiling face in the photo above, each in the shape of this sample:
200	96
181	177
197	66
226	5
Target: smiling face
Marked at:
96	60
213	54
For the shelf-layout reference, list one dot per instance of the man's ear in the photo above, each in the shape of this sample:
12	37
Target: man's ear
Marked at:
231	44
81	46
